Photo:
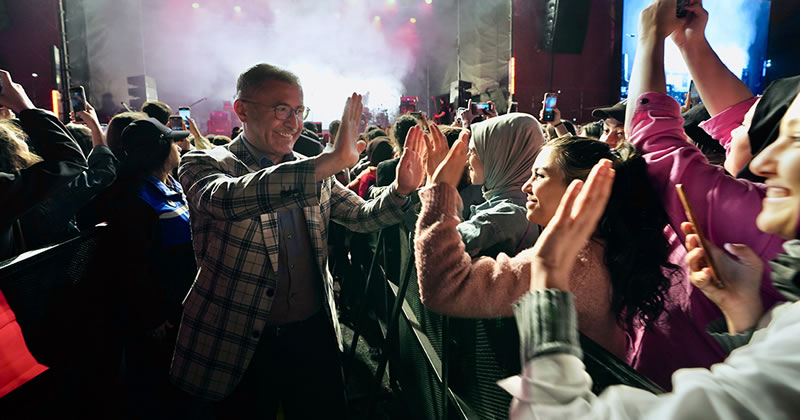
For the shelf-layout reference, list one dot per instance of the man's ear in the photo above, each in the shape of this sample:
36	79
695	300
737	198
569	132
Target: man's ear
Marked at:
239	109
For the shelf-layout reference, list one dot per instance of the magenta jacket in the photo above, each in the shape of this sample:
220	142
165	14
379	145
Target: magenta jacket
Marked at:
726	209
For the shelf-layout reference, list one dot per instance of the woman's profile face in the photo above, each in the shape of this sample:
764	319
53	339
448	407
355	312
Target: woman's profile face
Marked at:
475	167
174	157
544	188
779	163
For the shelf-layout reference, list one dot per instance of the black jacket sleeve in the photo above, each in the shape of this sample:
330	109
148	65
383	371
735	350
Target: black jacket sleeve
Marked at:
62	161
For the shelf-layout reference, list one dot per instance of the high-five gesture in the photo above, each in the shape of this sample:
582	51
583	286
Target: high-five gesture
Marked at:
345	152
344	145
570	228
451	169
437	149
410	171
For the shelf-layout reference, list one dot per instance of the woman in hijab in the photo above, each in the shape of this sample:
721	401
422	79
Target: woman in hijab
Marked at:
501	153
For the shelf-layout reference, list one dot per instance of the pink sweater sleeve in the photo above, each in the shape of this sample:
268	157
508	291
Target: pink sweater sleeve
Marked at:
719	126
450	282
726	207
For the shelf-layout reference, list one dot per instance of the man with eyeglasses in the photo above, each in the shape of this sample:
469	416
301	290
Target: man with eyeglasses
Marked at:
259	327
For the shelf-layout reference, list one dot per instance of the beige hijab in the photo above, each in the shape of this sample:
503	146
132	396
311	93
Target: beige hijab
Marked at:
507	146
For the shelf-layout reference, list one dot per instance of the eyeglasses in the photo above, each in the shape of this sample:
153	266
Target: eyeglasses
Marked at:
283	111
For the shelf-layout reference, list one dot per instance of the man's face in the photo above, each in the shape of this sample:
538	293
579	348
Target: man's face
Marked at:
256	109
613	132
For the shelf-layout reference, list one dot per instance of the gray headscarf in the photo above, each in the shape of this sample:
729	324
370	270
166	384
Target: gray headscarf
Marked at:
507	146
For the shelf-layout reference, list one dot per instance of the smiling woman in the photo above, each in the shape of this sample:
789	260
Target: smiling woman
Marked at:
619	278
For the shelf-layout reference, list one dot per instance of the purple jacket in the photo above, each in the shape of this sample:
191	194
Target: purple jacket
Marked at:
726	209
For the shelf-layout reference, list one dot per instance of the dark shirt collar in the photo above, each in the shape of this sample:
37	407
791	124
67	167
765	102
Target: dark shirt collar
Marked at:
259	157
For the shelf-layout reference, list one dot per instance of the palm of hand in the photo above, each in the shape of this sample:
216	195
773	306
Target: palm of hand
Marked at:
410	171
345	142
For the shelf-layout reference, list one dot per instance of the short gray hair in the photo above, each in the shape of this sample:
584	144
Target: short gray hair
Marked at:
256	76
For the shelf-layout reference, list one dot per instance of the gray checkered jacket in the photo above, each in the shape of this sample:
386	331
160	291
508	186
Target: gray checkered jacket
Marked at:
233	205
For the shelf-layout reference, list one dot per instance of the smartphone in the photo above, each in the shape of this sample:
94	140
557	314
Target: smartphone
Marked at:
459	113
550	100
186	113
680	8
693	92
77	99
703	242
422	121
513	106
176	122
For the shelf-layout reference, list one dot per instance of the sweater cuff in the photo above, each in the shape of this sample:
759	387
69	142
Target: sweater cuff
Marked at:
440	199
547	324
718	330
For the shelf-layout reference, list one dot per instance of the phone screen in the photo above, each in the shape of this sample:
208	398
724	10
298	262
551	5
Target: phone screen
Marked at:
176	123
483	106
693	91
186	113
77	99
550	100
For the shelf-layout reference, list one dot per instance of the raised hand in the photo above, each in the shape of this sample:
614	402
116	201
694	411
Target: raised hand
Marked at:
410	170
740	299
451	169
88	116
570	228
12	95
693	26
344	145
659	19
437	149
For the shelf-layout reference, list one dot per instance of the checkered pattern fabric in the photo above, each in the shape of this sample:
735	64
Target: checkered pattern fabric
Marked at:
233	205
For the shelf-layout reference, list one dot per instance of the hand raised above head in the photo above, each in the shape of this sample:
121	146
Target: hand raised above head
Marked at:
12	95
410	170
693	27
451	169
436	149
740	299
573	224
659	19
344	145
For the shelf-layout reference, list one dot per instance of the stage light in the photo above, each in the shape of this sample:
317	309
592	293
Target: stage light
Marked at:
428	1
237	9
35	74
196	5
413	20
56	96
512	76
390	2
377	19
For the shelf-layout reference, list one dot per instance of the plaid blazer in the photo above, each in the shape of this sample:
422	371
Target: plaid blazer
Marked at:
233	205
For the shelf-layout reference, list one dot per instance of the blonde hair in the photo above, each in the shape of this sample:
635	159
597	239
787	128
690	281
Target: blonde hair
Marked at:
14	152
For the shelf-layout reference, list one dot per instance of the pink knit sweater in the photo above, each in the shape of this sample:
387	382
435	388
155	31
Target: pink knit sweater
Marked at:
452	283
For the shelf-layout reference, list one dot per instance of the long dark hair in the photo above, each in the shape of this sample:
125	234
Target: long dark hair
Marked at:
632	228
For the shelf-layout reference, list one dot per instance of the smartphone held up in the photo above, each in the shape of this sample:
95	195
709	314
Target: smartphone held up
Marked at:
699	231
550	100
77	100
176	122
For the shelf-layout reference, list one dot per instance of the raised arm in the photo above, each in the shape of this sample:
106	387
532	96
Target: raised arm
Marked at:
62	159
718	87
653	126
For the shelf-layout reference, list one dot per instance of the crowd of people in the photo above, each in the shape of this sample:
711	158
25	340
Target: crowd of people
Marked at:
225	300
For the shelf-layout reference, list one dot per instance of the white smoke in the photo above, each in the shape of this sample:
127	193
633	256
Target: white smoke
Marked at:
335	47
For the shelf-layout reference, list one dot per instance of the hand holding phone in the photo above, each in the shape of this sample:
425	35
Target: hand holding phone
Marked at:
176	122
548	113
703	242
186	113
680	8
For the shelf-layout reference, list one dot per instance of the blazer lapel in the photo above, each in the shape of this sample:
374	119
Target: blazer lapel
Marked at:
268	222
